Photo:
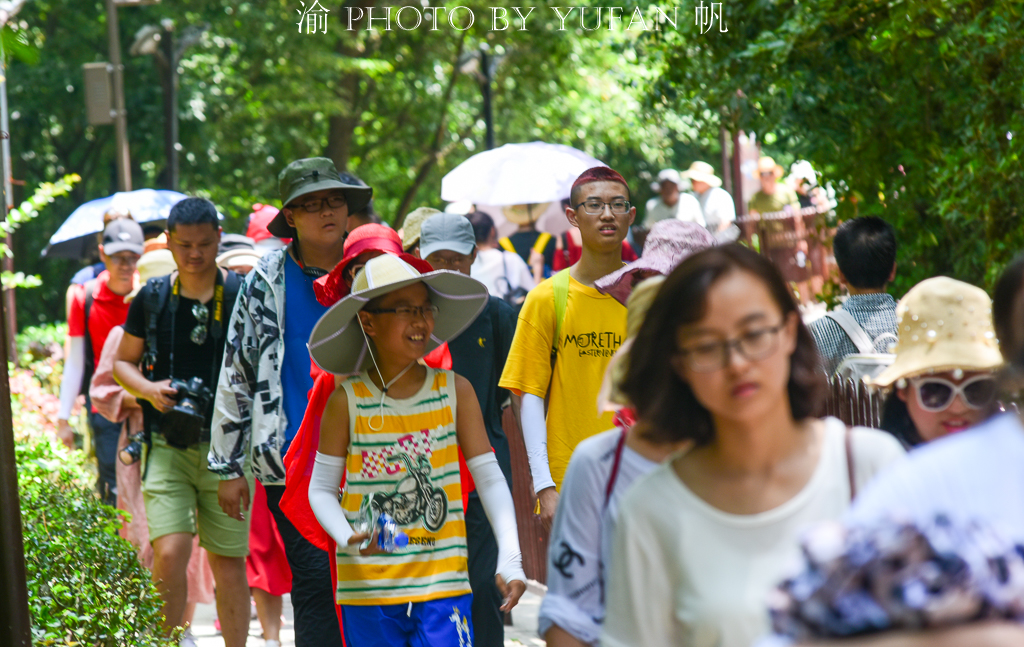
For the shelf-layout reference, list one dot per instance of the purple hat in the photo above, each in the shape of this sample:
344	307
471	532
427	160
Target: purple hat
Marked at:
667	244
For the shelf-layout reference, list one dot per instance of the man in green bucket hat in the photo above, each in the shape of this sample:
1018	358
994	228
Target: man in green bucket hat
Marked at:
261	393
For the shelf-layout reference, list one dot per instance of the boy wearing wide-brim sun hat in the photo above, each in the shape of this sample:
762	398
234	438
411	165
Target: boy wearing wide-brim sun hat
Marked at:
943	373
395	429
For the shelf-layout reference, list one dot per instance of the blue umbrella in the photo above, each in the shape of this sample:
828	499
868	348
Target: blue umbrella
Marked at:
76	238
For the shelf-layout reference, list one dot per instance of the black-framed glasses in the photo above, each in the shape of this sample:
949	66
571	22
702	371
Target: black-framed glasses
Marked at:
316	206
596	207
409	313
202	315
936	394
754	345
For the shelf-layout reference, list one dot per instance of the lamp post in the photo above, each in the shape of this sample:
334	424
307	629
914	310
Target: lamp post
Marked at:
482	64
160	43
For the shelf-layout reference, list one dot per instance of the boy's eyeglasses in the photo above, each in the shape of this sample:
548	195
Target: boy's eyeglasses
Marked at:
754	345
316	206
409	313
936	394
596	207
125	260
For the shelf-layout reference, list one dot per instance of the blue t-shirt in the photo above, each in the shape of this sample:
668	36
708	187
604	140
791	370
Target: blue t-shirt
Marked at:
301	312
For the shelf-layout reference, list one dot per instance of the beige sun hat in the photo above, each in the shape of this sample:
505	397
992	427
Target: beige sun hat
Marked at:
944	324
411	225
159	262
524	214
611	397
702	172
337	344
766	164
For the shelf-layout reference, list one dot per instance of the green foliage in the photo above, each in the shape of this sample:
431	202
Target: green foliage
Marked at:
910	108
86	585
45	194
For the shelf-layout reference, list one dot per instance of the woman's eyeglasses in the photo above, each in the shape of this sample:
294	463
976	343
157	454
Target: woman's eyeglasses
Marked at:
754	345
936	394
202	315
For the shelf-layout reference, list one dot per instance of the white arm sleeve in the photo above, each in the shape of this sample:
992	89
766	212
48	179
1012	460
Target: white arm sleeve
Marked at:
323	499
535	436
497	502
74	371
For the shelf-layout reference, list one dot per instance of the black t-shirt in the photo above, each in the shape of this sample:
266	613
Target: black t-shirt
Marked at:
523	242
480	358
190	359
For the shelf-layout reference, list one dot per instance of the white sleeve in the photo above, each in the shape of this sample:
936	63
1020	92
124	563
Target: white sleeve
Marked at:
497	501
74	371
535	436
323	499
522	275
574	599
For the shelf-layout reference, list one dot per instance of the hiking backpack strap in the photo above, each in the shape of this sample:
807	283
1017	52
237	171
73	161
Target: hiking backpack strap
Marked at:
541	242
90	356
561	290
853	330
506	244
156	298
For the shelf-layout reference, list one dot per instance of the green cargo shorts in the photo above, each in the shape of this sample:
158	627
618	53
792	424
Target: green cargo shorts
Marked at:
180	494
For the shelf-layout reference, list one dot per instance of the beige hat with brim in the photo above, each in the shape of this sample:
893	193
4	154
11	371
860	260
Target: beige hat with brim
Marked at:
412	223
159	262
943	325
702	172
610	397
337	344
240	258
524	214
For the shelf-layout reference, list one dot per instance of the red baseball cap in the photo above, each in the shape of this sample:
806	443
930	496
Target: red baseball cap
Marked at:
259	219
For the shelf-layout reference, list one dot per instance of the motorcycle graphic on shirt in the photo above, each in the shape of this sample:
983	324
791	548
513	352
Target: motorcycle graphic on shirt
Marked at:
413	497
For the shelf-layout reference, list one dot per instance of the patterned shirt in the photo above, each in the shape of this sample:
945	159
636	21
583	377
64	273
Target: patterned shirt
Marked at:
405	463
876	314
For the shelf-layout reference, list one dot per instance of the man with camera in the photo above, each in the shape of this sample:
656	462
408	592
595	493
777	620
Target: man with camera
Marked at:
169	359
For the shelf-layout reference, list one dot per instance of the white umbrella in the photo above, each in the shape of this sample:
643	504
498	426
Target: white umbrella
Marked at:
517	174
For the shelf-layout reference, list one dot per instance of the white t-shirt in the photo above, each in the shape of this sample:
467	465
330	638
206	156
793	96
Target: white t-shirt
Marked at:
501	271
717	207
686	209
580	542
685	573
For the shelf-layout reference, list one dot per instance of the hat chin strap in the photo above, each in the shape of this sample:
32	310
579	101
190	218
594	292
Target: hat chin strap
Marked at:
387	385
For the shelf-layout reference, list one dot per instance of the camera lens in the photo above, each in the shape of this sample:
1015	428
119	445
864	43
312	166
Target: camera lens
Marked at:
131	453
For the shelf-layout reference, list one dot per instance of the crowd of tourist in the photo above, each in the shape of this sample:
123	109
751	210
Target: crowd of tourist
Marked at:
316	408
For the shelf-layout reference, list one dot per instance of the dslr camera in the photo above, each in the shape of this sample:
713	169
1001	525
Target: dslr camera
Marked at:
183	425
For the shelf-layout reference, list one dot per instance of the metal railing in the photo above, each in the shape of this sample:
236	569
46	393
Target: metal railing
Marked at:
854	402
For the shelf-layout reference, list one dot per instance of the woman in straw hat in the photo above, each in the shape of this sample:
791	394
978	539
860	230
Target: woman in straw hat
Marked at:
783	228
944	372
722	360
395	429
601	470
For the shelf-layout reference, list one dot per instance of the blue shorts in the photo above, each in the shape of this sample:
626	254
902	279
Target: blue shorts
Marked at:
437	623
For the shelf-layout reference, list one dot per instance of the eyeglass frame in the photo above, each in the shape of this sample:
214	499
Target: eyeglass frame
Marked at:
120	259
726	347
420	311
603	205
958	390
321	203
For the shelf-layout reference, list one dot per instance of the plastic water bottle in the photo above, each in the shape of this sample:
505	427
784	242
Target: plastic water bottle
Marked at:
389	537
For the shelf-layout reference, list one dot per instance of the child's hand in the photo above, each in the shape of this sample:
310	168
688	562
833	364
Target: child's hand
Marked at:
511	592
360	537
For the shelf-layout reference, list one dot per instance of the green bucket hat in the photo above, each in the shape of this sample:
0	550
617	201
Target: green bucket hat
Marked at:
308	176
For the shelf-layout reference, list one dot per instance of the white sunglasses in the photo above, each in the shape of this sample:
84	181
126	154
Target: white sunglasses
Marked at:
936	394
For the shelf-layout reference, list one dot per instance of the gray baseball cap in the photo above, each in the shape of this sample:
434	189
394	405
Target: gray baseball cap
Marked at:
123	235
447	231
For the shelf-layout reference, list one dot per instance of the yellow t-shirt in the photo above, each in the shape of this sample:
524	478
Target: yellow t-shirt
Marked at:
593	328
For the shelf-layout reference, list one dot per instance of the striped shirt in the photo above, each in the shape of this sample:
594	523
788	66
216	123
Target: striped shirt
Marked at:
876	314
405	464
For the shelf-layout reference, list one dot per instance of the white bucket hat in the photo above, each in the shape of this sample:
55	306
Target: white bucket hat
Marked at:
337	343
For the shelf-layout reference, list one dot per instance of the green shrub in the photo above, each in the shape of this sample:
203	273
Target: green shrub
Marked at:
86	585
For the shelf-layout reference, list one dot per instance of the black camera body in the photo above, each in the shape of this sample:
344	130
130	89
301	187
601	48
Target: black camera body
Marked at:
183	425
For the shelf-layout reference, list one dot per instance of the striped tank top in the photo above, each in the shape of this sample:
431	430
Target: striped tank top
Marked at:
409	469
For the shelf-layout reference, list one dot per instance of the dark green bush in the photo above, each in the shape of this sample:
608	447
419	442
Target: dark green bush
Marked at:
86	586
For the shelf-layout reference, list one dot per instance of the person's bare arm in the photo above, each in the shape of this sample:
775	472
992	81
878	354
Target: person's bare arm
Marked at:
128	375
558	637
981	634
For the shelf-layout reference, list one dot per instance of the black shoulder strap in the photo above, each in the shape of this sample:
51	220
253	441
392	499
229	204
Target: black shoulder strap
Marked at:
158	291
90	357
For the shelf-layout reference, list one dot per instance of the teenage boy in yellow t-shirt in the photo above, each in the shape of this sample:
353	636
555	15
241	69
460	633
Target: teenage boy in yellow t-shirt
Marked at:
592	328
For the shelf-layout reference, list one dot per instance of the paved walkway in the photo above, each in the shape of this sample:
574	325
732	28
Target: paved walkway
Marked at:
523	632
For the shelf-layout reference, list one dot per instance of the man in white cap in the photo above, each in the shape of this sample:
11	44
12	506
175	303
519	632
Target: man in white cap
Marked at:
715	202
670	202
